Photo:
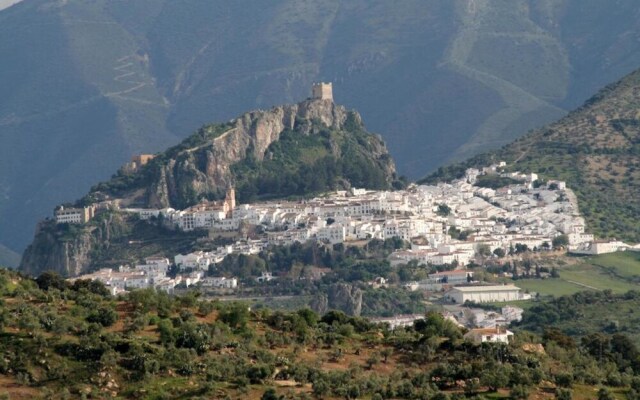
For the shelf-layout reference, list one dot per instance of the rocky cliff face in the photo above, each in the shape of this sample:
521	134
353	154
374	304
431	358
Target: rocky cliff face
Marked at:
49	253
340	296
68	250
205	169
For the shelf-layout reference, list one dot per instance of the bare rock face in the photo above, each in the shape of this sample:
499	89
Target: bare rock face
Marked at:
67	253
340	296
346	298
261	128
320	303
207	168
49	252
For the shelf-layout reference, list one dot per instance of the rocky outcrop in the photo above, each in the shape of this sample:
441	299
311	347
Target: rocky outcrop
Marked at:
67	249
203	166
320	303
340	296
206	169
50	252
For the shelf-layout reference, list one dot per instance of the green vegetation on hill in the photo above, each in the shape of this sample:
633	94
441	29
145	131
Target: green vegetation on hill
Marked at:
587	313
595	149
61	340
299	165
496	181
348	267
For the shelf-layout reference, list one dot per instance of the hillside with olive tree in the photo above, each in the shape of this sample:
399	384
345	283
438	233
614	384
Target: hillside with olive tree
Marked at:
64	340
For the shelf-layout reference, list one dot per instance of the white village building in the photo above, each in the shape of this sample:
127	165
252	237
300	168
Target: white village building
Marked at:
489	335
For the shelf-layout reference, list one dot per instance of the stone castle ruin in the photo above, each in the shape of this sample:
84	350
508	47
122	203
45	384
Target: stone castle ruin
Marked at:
322	91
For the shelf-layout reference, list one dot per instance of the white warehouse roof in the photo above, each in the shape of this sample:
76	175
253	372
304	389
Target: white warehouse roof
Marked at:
501	288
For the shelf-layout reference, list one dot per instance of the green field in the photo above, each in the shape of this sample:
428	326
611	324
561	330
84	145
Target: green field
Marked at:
625	264
593	311
556	287
619	272
524	304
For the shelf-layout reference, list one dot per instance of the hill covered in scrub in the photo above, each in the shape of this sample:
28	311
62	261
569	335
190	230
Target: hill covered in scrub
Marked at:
61	340
291	150
595	149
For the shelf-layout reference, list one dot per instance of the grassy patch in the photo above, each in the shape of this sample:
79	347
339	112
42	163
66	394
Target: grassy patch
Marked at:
591	392
625	264
524	304
549	287
618	272
591	277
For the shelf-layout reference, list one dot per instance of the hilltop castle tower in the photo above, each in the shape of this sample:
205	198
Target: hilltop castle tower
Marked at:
322	91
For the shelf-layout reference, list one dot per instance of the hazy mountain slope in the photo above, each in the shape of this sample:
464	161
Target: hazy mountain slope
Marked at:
8	257
440	79
69	113
595	149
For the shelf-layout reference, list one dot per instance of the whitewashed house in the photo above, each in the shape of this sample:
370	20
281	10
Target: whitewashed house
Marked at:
489	335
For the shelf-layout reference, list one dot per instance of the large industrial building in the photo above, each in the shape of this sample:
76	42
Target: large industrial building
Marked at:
485	294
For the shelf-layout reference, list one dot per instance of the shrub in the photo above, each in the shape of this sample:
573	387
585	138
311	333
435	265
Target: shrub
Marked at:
105	316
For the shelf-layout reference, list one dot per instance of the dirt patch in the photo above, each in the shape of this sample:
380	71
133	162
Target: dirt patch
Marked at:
15	390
